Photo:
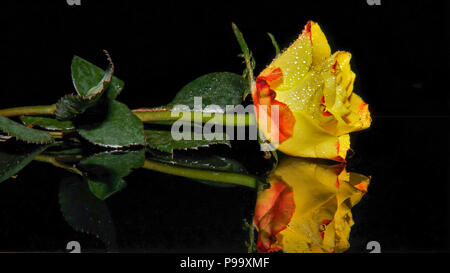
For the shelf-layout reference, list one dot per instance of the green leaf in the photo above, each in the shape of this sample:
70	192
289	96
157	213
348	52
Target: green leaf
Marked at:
103	84
86	213
105	171
50	124
248	59
275	44
90	89
13	158
163	141
23	133
118	128
86	76
70	106
241	41
220	88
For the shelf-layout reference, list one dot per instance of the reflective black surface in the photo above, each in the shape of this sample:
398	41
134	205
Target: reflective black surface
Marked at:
400	56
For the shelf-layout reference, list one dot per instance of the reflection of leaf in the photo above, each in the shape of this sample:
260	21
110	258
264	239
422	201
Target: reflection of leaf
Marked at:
201	161
307	207
23	133
119	128
220	88
210	162
86	75
163	141
105	171
105	189
13	158
86	213
47	123
216	163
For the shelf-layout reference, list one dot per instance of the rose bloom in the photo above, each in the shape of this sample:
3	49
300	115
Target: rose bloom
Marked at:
307	208
314	94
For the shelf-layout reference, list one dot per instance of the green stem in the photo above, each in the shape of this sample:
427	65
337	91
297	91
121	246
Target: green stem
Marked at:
209	175
29	110
56	134
146	116
189	116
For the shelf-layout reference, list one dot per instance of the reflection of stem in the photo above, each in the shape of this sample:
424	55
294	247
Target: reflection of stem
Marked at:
209	175
52	160
251	246
251	236
166	115
200	174
29	110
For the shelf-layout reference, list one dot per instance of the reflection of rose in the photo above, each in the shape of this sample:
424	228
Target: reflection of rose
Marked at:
307	207
314	92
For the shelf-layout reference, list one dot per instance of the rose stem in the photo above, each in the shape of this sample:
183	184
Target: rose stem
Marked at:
37	110
145	116
155	116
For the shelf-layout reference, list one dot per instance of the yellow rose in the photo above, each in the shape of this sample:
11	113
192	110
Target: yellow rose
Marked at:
307	207
314	94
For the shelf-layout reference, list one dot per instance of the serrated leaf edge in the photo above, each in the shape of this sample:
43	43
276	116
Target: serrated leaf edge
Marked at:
10	135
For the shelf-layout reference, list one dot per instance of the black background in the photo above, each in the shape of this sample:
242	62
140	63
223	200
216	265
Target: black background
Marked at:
400	56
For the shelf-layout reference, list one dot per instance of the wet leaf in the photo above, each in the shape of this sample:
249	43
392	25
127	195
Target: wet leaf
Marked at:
86	213
13	158
220	88
23	133
50	124
163	141
118	128
105	171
